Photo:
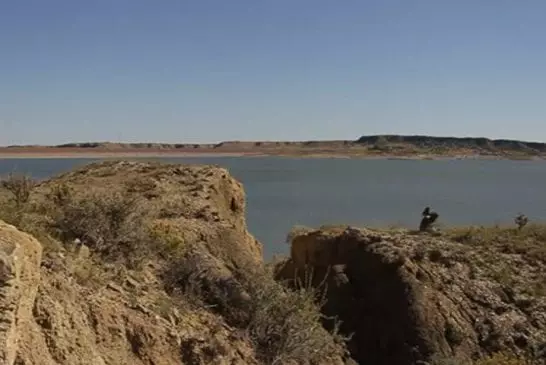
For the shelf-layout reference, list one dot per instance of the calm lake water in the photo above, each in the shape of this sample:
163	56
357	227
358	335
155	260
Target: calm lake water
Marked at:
282	192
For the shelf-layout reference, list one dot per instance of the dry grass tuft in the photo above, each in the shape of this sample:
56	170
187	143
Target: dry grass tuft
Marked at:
88	273
168	241
283	325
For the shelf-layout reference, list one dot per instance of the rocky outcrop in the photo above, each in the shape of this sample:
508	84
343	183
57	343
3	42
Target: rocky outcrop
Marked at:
141	263
411	297
203	203
20	256
63	308
122	324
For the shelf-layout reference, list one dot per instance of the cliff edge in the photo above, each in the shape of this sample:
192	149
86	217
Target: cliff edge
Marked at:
132	263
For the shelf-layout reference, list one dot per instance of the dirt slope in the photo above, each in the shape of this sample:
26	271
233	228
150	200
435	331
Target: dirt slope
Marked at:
413	297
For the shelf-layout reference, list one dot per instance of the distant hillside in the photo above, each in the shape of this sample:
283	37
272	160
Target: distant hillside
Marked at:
479	143
140	145
420	141
395	146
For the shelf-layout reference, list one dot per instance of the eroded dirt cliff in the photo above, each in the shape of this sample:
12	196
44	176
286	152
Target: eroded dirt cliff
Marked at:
410	297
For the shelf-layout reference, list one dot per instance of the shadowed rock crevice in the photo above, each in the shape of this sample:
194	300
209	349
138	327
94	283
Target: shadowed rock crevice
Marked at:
366	292
378	312
409	297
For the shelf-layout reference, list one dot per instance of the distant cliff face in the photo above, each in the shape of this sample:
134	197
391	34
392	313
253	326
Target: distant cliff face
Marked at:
395	146
427	143
413	297
477	144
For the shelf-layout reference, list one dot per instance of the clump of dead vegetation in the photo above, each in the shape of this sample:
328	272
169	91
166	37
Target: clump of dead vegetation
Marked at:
283	325
20	186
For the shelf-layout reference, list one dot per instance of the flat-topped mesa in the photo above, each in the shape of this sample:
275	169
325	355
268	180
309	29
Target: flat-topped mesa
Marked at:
476	143
411	297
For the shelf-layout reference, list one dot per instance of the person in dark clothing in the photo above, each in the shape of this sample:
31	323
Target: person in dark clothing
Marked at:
429	217
521	220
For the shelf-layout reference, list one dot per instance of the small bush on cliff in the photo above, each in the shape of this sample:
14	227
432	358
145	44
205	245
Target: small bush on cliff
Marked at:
20	186
110	222
284	326
15	190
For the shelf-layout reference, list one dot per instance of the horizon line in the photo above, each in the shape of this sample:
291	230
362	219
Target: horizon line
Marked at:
111	142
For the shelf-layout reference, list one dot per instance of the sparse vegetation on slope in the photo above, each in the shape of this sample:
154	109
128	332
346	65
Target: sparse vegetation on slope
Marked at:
169	240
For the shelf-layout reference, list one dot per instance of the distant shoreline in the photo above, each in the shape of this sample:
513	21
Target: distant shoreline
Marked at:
110	154
409	147
84	153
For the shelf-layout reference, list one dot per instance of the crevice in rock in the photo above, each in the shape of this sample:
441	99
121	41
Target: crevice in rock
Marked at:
375	307
368	292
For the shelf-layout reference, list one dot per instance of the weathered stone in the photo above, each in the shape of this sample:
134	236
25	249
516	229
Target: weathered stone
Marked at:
20	256
411	297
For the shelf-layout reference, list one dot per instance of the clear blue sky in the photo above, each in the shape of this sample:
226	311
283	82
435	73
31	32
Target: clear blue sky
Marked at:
206	71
